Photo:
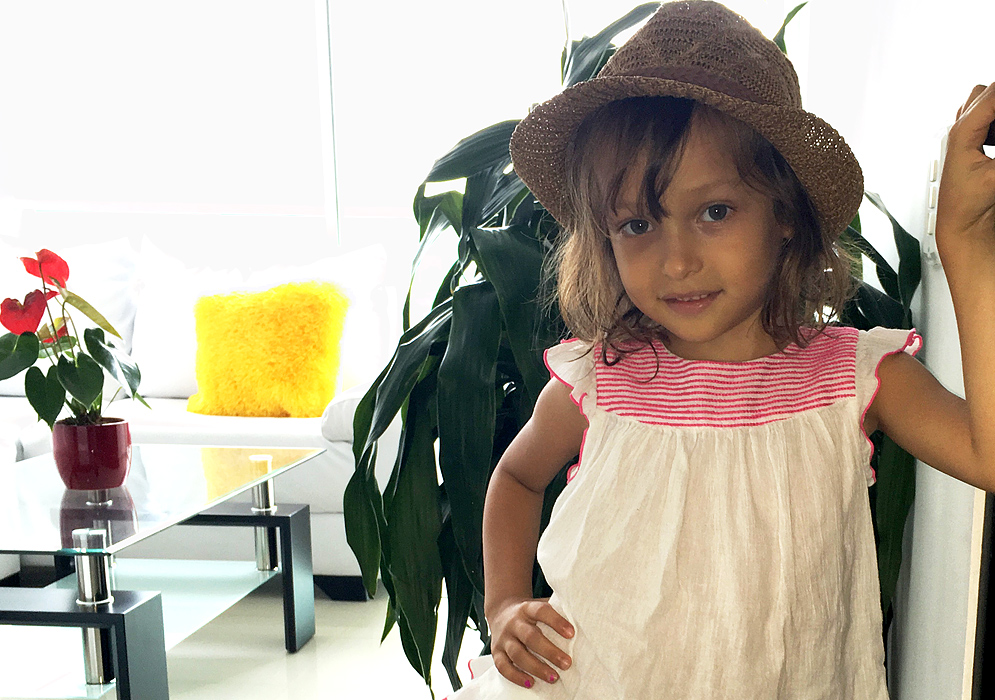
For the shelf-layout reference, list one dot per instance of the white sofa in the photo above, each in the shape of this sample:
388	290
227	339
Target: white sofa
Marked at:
148	296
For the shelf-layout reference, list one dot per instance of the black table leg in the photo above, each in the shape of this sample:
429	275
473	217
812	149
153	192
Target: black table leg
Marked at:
298	580
134	618
294	525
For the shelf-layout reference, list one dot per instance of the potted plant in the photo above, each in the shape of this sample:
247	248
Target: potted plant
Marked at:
91	451
466	377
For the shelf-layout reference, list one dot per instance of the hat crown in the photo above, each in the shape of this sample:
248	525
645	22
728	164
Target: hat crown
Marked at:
707	44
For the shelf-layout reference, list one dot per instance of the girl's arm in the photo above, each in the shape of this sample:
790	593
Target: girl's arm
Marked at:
953	435
512	511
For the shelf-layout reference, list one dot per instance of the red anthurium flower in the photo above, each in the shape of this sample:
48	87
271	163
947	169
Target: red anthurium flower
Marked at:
24	318
48	266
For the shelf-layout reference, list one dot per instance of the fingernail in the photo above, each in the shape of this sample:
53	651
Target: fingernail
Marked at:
552	678
528	684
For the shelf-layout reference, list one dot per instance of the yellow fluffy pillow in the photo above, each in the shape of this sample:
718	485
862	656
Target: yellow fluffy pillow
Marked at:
272	353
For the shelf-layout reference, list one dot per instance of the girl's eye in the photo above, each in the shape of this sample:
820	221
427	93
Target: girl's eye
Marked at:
716	212
636	227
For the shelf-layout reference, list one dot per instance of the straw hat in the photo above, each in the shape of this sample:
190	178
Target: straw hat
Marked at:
703	51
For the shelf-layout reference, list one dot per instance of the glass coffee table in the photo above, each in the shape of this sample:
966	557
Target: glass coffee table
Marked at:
131	610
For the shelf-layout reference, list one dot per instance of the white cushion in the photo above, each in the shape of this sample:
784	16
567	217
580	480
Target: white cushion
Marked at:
165	344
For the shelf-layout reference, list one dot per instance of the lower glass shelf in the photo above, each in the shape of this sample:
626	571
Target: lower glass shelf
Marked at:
43	663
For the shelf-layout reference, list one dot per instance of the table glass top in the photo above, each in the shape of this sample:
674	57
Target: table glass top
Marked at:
166	485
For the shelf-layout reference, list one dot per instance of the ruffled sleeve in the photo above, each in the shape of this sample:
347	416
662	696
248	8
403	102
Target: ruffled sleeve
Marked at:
872	347
572	362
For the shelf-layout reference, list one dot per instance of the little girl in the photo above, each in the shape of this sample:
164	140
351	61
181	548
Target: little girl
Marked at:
714	539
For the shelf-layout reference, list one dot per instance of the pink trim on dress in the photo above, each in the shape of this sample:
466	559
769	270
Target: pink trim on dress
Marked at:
656	387
913	341
572	471
470	667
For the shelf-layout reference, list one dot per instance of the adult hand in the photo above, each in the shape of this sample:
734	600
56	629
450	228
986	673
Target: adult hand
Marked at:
519	648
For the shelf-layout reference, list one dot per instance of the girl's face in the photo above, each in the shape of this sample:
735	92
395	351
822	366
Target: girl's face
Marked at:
702	271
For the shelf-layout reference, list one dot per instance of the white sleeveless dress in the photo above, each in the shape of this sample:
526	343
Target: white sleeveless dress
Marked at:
715	539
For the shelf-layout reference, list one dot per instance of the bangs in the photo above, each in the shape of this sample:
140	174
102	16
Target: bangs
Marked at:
645	137
638	132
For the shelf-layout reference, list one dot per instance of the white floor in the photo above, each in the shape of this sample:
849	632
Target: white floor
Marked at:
241	655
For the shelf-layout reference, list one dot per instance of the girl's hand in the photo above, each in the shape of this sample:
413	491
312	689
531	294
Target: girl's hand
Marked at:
519	647
966	207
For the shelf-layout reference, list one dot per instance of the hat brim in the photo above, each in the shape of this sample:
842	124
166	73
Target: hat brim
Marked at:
818	155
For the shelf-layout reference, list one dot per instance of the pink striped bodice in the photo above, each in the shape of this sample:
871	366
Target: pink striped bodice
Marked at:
654	386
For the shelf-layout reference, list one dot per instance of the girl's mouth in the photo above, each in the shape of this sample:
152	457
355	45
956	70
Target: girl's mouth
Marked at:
691	304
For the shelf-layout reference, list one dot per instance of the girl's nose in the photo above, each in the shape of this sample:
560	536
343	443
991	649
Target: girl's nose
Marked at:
681	256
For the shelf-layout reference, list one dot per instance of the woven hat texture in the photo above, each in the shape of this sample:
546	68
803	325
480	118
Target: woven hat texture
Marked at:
703	51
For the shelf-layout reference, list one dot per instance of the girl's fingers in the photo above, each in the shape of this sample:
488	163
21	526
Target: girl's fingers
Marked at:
523	655
537	643
547	614
507	668
975	117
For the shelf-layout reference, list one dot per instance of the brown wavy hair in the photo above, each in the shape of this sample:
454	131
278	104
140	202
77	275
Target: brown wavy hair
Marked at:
813	278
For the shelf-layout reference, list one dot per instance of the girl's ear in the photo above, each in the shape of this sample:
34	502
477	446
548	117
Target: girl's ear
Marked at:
787	232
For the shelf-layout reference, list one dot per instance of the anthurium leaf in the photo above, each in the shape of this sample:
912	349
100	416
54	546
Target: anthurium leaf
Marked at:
459	600
466	412
511	260
413	526
779	37
83	380
17	353
896	484
91	313
909	260
488	148
585	57
45	394
120	366
389	622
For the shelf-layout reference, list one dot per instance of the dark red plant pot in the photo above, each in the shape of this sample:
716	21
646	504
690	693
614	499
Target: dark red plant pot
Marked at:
91	457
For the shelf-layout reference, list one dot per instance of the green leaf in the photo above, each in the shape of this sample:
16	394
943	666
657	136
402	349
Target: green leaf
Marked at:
362	502
909	260
89	311
875	307
384	399
413	527
45	394
17	353
896	484
466	408
362	510
584	58
83	380
120	366
853	241
511	260
459	600
488	148
779	37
